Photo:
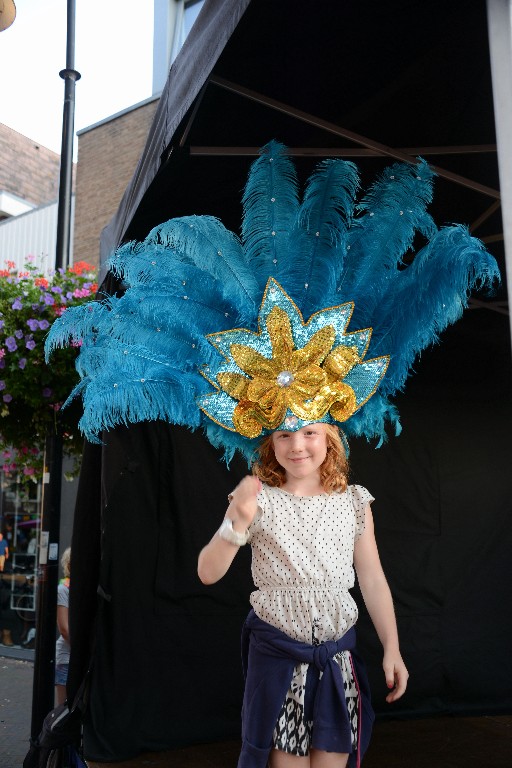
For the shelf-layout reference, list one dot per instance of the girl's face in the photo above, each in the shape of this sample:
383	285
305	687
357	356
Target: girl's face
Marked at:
303	452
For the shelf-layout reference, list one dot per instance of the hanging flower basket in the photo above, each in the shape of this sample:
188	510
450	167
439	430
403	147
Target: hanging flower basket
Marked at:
31	392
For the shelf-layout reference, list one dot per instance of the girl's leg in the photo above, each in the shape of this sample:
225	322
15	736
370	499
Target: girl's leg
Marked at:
280	759
317	759
320	759
60	693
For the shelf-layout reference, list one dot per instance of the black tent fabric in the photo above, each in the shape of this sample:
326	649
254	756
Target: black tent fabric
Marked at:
370	83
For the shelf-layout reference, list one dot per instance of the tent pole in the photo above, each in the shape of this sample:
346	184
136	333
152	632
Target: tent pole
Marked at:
382	149
499	17
462	149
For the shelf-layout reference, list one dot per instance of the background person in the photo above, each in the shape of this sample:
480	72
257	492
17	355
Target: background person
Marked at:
62	649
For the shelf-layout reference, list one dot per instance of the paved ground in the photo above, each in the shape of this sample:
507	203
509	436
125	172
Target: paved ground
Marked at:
16	675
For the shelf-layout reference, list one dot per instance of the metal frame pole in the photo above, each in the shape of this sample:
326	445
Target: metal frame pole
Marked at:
499	18
47	581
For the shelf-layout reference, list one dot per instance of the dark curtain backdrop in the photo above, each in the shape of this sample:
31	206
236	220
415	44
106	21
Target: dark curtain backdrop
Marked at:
166	668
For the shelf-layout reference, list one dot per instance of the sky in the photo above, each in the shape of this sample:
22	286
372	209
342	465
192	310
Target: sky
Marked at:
113	53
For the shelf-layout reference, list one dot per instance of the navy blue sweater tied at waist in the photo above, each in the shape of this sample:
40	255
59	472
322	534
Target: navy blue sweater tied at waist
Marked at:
269	657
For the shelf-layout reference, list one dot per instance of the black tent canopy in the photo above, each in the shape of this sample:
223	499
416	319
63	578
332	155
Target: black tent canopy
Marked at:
373	82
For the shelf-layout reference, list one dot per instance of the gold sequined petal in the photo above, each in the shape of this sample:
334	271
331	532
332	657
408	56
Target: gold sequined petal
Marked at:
274	399
252	362
245	422
345	404
341	361
315	351
315	408
280	332
307	383
234	384
260	388
311	375
272	415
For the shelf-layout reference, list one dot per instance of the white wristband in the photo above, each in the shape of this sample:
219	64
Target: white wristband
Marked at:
227	533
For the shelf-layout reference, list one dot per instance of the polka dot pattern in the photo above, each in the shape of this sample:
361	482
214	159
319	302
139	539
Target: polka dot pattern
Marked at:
302	561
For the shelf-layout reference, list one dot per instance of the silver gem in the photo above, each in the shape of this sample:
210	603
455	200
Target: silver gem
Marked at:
193	346
153	262
271	159
183	282
218	338
219	253
273	234
143	380
125	351
115	385
290	422
226	314
185	297
317	234
158	329
371	214
285	378
274	261
391	177
306	285
401	213
272	199
348	247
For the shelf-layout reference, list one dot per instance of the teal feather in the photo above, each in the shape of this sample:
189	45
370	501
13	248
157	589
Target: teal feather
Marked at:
393	211
318	238
437	285
191	277
270	204
201	241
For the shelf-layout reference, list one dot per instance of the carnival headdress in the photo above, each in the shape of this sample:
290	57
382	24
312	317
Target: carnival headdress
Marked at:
244	336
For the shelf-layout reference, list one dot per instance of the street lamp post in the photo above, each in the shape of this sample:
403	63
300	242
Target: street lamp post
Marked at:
44	663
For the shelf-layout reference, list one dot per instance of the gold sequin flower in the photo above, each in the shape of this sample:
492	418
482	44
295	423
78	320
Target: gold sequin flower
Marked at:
290	367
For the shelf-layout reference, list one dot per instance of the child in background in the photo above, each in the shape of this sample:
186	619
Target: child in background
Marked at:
62	648
306	699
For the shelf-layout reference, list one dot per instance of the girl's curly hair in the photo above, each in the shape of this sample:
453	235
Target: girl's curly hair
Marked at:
333	472
65	562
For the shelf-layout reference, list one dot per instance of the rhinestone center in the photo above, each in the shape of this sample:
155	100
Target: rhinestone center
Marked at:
285	378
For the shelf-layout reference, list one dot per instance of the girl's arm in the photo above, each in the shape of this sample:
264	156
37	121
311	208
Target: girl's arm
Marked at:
217	556
378	601
62	621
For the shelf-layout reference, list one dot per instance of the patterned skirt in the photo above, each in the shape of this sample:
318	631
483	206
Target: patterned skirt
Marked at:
294	728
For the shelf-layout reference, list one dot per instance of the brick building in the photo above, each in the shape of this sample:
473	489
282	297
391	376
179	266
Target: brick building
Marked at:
108	153
29	172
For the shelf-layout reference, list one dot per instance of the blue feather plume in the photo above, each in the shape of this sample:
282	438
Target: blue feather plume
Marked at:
270	204
142	353
318	239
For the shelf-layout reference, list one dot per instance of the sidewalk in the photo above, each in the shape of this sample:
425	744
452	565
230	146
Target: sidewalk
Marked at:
16	676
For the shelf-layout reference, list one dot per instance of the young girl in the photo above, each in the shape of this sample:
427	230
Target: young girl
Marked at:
306	700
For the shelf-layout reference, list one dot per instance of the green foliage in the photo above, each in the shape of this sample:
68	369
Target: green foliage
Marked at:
31	392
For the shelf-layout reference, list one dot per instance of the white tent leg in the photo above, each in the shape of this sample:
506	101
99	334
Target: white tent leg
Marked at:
499	15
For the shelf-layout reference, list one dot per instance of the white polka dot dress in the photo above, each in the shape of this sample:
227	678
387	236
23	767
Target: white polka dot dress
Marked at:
302	566
302	561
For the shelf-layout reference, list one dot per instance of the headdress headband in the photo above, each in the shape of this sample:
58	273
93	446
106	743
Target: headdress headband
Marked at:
312	316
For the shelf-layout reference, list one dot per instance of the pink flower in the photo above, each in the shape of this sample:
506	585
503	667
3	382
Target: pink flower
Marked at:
28	470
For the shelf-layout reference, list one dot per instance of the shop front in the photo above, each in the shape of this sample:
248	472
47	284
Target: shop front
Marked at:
20	523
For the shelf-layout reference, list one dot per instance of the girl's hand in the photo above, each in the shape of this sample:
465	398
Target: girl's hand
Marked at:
396	675
243	506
